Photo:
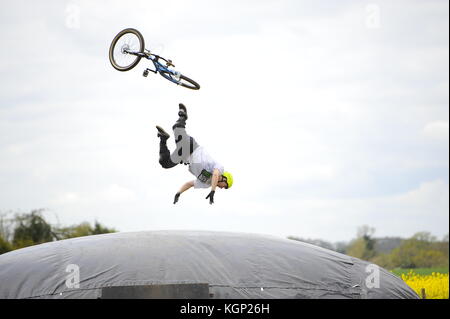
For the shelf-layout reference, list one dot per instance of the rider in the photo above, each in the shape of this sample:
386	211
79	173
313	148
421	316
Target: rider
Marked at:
208	172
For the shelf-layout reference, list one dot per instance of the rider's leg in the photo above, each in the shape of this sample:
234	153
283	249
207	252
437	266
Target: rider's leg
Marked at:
164	153
185	143
182	117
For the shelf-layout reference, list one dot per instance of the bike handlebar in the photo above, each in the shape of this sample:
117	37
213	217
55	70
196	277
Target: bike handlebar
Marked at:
168	62
147	53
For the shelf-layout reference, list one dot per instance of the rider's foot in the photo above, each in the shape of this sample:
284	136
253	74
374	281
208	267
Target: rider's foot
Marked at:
183	111
161	133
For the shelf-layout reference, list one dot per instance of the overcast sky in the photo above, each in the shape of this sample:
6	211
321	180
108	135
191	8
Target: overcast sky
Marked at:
330	115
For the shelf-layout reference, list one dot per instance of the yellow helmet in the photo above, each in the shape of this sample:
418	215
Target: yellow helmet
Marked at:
229	178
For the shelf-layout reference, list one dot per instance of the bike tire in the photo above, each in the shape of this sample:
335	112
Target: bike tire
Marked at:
114	55
184	80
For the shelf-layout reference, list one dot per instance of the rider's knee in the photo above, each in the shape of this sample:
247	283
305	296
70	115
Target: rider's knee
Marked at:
165	163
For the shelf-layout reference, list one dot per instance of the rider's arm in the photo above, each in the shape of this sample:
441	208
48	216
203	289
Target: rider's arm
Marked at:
186	186
183	188
215	179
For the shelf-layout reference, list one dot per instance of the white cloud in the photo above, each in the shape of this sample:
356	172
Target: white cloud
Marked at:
437	130
323	121
431	198
67	198
423	208
116	193
111	194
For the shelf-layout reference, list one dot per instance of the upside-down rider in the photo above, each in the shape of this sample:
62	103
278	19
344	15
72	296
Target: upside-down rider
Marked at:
208	172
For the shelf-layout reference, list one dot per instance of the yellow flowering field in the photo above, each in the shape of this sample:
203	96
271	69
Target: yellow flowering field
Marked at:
435	284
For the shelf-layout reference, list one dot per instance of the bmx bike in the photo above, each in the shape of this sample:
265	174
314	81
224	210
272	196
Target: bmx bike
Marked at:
128	48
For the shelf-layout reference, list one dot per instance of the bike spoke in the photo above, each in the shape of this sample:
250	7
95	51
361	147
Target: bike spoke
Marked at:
128	42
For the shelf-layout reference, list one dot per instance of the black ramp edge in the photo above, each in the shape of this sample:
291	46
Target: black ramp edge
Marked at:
171	291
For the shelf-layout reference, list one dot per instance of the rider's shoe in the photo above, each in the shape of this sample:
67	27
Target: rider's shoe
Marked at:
161	133
183	111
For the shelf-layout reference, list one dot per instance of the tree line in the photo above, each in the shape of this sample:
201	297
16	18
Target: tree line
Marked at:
28	229
422	250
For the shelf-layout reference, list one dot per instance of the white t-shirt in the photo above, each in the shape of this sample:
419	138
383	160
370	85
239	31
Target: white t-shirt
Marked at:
201	160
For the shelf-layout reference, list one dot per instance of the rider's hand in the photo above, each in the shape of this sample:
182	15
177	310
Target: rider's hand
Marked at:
177	195
211	197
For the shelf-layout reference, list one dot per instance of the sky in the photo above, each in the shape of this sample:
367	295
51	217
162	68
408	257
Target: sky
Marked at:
329	114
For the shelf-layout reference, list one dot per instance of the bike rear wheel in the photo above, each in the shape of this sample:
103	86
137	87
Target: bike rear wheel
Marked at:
181	80
127	40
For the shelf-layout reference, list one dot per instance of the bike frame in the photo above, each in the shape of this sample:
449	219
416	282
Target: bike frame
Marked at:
135	49
158	66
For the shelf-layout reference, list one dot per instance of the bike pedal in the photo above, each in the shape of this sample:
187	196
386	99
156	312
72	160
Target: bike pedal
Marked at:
145	73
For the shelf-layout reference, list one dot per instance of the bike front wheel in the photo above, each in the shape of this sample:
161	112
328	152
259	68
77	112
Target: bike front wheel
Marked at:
124	44
180	80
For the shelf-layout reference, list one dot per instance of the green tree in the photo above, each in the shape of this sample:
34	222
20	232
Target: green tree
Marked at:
383	260
27	229
5	227
442	246
403	256
429	258
363	247
99	229
421	250
5	246
357	248
32	229
82	229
